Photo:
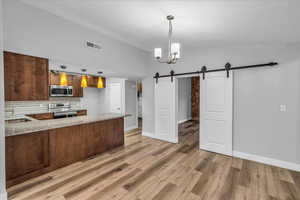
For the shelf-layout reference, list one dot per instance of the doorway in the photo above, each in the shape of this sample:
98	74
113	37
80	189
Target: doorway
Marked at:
140	103
115	98
188	110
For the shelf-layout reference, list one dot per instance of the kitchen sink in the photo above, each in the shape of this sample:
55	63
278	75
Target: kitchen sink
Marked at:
12	121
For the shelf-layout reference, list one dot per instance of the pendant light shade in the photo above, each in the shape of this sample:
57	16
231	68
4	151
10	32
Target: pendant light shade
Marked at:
84	81
100	82
63	79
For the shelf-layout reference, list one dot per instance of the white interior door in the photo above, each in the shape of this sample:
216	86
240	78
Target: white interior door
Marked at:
115	98
166	110
216	112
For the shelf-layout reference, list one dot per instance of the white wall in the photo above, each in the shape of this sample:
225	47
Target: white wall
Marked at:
259	127
131	105
148	106
31	31
2	137
184	99
93	100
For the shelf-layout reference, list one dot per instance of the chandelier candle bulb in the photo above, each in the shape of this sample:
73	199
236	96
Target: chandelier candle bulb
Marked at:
175	50
157	53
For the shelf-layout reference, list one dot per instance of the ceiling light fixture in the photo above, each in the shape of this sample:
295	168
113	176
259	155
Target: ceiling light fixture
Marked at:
84	79
173	48
100	81
63	78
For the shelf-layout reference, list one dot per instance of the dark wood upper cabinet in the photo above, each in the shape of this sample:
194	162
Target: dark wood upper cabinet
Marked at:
93	81
26	77
55	79
77	89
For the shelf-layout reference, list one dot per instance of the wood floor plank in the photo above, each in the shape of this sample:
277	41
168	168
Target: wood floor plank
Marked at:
166	191
98	192
93	181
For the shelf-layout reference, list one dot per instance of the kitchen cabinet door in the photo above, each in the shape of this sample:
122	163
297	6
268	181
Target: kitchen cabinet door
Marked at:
26	153
26	77
67	145
93	81
95	138
77	89
118	132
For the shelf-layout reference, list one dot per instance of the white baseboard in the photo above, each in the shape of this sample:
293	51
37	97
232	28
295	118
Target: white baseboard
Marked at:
184	120
268	161
147	134
151	135
131	128
3	196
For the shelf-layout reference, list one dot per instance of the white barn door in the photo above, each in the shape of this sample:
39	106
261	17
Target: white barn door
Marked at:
166	128
216	108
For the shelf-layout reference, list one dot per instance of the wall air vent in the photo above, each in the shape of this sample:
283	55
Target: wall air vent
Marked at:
93	45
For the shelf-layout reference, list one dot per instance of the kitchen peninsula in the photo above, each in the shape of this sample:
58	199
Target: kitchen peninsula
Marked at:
39	146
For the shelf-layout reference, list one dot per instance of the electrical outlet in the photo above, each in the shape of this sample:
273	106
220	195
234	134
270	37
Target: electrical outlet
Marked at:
283	108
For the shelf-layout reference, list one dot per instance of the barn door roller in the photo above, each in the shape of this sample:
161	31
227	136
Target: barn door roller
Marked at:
203	71
227	68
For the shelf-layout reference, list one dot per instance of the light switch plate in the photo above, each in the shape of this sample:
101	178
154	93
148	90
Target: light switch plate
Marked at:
282	108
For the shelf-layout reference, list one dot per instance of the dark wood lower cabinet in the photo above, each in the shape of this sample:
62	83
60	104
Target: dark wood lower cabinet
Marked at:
34	154
67	145
26	154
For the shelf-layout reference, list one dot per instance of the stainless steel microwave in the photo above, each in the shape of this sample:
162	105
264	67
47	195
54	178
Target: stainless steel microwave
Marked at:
61	91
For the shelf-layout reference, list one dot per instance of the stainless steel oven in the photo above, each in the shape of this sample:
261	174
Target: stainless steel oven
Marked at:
61	110
61	91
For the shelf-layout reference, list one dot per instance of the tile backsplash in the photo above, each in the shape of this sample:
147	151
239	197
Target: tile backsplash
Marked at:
30	107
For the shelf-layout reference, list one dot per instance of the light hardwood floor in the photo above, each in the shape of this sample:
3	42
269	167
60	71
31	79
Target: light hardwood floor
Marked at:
148	169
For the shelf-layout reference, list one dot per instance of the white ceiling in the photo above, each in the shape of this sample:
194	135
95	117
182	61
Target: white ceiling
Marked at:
197	23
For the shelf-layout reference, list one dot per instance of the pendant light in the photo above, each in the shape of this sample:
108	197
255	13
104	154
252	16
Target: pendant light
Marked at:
63	79
84	79
100	81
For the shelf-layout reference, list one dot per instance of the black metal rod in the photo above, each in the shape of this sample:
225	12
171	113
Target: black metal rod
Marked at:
221	69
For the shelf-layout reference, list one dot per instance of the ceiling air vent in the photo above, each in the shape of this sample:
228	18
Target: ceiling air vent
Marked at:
93	45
